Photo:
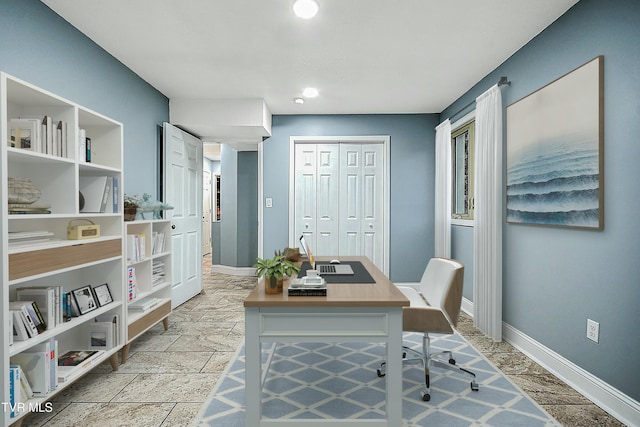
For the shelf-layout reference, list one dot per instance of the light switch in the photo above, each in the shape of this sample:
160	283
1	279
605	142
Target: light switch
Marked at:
268	202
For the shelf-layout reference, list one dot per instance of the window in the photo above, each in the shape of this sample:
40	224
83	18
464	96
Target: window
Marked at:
462	149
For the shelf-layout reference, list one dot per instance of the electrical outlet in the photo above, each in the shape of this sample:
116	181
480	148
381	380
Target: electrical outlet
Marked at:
593	330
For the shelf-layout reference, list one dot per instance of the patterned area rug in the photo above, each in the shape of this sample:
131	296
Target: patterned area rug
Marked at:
319	380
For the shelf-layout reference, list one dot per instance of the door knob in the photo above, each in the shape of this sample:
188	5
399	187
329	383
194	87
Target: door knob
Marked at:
173	226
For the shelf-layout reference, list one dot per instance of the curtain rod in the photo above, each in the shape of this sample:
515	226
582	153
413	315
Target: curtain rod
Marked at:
503	81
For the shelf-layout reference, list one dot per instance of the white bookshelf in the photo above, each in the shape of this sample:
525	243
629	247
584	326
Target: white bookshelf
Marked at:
147	287
71	264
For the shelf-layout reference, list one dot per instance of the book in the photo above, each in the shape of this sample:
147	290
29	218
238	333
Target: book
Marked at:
87	146
74	361
29	324
307	292
14	389
82	145
132	284
96	191
19	330
10	328
36	316
28	392
45	298
35	365
145	304
62	138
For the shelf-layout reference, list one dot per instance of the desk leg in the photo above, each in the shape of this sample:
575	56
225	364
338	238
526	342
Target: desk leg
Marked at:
252	383
394	368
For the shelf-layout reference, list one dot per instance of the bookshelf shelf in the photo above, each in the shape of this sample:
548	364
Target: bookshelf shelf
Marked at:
148	243
40	139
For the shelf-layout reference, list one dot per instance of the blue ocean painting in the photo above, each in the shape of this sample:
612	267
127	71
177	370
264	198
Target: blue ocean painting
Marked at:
555	183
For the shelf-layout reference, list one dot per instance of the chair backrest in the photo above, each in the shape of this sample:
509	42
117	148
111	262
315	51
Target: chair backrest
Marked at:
441	286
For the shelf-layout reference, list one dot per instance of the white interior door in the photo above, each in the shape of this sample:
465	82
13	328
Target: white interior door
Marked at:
316	196
182	154
206	212
361	219
305	197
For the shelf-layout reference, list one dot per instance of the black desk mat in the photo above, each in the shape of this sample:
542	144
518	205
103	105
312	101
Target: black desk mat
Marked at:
360	273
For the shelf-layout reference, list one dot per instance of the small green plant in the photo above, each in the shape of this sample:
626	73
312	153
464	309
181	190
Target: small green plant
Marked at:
275	267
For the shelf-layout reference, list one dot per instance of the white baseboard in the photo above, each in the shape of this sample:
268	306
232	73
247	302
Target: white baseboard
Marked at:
233	271
612	400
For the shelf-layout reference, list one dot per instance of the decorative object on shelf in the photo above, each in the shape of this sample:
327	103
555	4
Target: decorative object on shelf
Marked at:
103	294
155	206
274	270
131	204
84	299
79	232
23	191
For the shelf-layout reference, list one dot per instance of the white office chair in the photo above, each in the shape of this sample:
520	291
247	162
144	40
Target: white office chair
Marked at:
434	308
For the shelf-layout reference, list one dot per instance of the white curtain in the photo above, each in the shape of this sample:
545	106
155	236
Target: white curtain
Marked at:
487	271
442	217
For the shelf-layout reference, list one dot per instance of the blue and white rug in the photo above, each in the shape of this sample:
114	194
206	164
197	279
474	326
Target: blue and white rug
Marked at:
339	381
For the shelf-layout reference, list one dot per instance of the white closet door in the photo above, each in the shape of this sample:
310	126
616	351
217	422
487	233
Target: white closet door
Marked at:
327	200
362	201
305	199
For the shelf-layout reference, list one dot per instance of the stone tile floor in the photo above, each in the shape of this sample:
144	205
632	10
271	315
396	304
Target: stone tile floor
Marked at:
169	374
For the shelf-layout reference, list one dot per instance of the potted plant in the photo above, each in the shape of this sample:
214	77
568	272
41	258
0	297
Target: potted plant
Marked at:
131	204
274	270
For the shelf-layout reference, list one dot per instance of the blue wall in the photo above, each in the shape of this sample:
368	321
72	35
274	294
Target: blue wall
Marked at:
38	46
412	180
556	278
247	208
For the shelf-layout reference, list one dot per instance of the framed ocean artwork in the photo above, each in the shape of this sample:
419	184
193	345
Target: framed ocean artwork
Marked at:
555	139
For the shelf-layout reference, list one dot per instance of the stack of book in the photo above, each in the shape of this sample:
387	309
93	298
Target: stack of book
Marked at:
144	305
308	286
28	238
72	362
26	209
157	273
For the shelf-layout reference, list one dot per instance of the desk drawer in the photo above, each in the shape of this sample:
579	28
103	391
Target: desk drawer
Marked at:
24	264
323	324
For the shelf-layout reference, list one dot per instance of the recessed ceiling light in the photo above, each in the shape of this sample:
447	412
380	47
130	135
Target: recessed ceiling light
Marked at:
298	100
305	9
310	92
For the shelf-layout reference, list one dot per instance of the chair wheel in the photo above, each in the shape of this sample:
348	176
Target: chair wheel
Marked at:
474	386
452	361
425	396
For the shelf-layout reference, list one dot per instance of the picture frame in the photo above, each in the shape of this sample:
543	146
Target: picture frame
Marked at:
555	152
103	294
100	336
84	299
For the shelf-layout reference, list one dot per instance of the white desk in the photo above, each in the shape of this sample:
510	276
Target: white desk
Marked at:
370	312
